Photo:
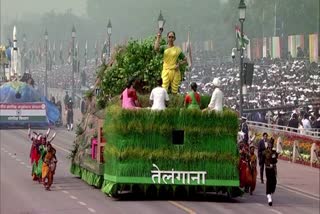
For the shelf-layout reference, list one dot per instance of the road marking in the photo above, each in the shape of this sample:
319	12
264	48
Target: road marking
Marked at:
29	167
275	211
59	147
182	207
73	197
66	192
9	153
299	193
22	163
18	159
91	210
58	187
299	190
82	203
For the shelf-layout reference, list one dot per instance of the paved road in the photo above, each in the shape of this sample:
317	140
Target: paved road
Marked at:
298	191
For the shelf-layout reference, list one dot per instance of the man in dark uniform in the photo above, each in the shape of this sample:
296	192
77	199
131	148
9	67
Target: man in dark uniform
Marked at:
70	114
263	144
271	158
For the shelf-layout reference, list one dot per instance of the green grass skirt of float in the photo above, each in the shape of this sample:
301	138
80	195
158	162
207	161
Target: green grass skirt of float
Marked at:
113	186
137	139
86	175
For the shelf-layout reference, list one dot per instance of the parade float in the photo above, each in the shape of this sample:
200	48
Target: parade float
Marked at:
21	104
121	150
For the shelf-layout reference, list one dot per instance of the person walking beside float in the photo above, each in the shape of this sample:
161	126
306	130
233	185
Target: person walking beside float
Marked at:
271	158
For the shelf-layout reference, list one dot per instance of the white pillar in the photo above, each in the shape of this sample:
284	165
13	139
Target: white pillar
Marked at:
295	151
279	145
313	156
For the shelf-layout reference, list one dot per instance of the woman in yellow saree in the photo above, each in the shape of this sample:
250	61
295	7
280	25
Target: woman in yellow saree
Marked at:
173	57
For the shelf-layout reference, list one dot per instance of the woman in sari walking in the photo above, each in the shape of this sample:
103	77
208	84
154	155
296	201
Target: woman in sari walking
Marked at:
49	167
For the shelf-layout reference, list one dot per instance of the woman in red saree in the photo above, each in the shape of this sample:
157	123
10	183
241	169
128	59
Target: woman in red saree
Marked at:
34	156
244	168
253	169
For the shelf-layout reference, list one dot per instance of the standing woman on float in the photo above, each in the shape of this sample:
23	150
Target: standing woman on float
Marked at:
173	58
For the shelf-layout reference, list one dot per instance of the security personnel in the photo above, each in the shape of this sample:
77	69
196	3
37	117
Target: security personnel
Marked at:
271	158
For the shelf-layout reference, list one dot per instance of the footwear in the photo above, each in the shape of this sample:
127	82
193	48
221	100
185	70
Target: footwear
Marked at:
269	199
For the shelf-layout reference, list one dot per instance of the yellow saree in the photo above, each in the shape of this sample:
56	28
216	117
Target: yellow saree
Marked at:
171	75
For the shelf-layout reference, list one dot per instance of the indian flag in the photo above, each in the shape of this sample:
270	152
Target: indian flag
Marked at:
188	47
313	47
241	42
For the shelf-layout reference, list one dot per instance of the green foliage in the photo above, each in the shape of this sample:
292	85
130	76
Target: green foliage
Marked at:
101	103
89	94
79	130
73	152
137	60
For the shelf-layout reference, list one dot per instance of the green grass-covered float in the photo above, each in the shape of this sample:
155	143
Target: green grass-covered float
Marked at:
156	150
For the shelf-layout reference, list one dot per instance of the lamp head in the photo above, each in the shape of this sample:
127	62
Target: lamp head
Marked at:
73	31
161	21
46	34
109	28
242	10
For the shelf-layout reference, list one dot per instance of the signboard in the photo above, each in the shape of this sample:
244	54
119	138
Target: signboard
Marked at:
178	177
22	112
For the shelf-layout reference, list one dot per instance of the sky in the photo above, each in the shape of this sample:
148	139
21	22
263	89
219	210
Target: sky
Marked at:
11	9
19	9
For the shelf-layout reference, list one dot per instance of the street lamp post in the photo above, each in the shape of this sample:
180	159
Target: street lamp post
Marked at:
73	61
109	31
46	71
23	60
242	16
161	22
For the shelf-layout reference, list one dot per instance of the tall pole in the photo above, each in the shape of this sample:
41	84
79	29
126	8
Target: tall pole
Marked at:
73	61
109	31
46	67
241	69
109	42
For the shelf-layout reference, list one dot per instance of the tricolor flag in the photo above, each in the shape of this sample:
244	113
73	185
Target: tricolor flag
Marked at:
61	54
86	53
189	55
313	47
76	52
54	52
69	56
241	42
96	52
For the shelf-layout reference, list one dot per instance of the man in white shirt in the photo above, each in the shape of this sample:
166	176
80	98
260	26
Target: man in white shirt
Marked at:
159	97
216	102
306	122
